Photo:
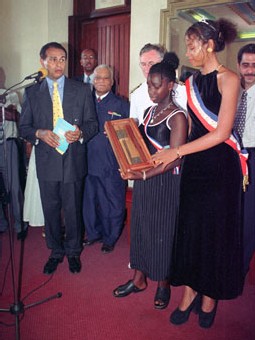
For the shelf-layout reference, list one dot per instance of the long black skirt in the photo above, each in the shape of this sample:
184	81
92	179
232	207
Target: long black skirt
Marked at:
153	220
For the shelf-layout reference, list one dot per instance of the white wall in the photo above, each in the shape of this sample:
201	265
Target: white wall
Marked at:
26	25
145	25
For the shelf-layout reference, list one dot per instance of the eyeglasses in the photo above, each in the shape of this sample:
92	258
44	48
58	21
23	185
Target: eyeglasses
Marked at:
55	60
86	57
101	78
149	64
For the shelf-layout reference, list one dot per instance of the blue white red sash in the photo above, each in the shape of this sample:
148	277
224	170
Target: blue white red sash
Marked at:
210	121
146	122
153	141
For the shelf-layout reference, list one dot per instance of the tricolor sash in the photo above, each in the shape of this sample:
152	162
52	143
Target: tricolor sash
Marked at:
210	121
153	141
146	122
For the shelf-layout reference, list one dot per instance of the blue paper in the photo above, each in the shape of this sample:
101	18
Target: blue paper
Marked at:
61	127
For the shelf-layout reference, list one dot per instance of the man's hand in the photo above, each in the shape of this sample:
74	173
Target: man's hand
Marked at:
73	136
48	137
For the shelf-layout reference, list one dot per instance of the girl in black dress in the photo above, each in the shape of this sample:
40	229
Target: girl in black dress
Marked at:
156	191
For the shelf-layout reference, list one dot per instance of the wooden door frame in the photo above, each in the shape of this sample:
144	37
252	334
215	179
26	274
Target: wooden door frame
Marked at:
85	10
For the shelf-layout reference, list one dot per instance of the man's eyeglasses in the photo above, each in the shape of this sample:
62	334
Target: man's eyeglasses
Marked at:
149	64
88	57
97	78
55	60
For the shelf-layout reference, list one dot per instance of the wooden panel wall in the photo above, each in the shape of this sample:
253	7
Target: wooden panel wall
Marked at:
110	36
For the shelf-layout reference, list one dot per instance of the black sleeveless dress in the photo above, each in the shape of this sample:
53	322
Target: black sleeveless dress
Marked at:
154	212
208	248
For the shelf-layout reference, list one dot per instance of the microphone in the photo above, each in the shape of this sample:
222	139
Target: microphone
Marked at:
42	73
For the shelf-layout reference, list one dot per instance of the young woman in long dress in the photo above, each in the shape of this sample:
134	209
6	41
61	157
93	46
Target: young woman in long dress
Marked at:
208	249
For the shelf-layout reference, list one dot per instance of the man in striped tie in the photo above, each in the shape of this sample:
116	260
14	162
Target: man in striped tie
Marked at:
60	175
246	66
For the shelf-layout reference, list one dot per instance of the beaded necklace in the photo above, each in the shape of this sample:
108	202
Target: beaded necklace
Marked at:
155	116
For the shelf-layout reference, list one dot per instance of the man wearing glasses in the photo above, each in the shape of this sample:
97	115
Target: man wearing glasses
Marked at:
149	55
88	62
60	173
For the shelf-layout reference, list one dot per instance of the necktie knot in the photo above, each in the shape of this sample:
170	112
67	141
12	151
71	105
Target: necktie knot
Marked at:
99	99
88	80
244	95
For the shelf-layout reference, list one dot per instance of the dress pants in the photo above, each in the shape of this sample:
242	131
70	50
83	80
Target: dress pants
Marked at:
67	197
104	207
14	184
249	212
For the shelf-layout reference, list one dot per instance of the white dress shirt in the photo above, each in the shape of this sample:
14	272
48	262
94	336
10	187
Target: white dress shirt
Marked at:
91	77
249	129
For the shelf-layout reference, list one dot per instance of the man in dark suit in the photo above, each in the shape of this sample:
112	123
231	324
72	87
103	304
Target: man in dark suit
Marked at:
88	62
104	195
60	176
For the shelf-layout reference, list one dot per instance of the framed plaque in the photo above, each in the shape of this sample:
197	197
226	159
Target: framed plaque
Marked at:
128	145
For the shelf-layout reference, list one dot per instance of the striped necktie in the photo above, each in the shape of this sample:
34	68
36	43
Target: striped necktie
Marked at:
57	105
239	124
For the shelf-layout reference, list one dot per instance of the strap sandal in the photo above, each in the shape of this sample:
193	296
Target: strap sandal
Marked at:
162	297
126	289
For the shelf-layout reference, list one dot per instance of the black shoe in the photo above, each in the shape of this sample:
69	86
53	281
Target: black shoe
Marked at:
88	242
126	289
106	248
206	319
179	317
162	297
22	234
74	264
51	265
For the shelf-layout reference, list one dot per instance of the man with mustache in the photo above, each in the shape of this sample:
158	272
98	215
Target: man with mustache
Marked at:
246	67
88	62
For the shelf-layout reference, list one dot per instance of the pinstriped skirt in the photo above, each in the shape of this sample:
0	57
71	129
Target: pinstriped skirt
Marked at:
153	220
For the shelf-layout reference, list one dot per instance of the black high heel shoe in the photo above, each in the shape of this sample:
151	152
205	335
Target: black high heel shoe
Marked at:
206	319
179	317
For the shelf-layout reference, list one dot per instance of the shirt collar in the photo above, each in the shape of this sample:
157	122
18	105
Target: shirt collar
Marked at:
91	76
60	82
251	91
103	96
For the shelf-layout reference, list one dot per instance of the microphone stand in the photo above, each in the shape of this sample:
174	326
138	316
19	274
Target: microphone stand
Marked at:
17	308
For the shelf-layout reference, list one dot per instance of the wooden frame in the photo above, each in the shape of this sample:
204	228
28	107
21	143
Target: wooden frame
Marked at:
128	145
102	4
110	7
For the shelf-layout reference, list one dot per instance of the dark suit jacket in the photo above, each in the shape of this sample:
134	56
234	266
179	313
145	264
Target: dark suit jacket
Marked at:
79	78
78	108
102	161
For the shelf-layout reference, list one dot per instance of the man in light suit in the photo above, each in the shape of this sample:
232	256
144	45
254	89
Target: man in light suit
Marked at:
60	176
149	55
